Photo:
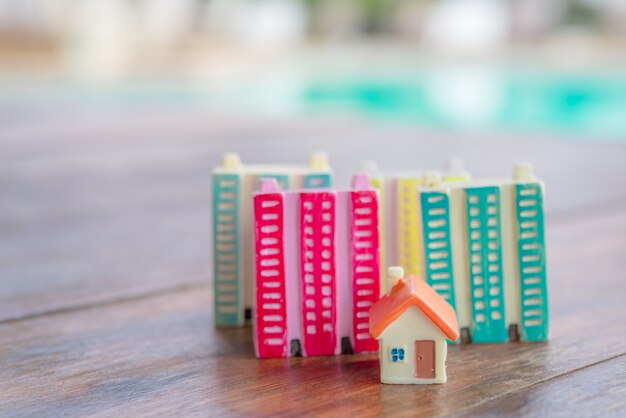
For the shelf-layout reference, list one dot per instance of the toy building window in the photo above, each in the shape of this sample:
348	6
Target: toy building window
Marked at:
397	354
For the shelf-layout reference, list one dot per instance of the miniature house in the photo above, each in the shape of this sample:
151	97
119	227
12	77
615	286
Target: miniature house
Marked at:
412	323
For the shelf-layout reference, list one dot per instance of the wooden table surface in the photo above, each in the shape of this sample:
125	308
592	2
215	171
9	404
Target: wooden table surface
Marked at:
105	289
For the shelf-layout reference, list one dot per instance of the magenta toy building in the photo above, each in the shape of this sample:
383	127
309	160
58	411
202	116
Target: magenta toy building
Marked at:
317	269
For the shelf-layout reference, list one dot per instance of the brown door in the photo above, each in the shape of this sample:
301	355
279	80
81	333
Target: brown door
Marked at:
425	359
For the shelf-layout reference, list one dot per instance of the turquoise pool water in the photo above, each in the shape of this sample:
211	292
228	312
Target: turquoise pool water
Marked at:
589	105
582	104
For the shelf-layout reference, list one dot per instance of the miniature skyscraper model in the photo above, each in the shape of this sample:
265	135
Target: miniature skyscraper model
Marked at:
401	223
485	254
317	269
233	234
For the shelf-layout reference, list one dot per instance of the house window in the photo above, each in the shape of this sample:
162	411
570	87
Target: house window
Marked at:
397	354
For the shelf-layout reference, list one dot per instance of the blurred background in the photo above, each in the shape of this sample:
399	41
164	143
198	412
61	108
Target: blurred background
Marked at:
113	112
530	65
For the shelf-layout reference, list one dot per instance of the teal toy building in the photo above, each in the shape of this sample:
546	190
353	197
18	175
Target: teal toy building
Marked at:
233	233
484	252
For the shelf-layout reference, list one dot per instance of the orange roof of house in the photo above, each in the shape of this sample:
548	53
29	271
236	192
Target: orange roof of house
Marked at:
412	291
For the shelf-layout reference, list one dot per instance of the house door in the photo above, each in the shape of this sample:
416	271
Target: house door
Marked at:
425	359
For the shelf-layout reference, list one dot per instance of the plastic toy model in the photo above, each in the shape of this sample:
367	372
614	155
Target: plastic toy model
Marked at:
401	226
412	323
233	233
484	252
317	270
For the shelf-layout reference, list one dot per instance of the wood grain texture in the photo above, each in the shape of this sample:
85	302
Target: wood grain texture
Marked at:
161	355
105	299
112	204
593	391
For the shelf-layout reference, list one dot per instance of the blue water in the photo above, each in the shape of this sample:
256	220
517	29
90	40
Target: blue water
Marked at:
589	105
582	104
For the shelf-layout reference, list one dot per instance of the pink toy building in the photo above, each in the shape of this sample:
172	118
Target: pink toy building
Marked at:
317	270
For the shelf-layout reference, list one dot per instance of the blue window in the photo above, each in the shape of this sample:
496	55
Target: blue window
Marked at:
397	354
